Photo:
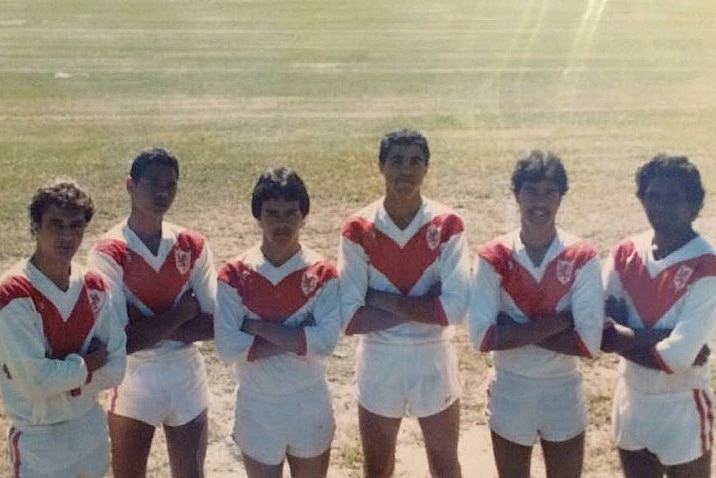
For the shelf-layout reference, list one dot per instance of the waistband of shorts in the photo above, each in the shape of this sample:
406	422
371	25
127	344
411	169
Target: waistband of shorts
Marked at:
559	379
164	354
437	343
310	388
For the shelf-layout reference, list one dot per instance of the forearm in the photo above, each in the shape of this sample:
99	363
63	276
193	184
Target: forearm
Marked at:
262	349
416	309
288	339
620	339
566	343
510	334
145	332
199	328
369	319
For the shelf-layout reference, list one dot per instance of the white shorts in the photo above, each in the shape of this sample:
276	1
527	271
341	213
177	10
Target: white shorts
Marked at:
416	380
522	409
66	450
268	428
163	392
676	427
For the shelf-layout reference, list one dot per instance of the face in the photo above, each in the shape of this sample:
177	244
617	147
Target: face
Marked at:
404	169
281	222
666	206
59	233
155	190
538	202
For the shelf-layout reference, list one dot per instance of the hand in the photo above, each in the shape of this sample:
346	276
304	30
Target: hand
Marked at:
247	325
308	321
435	290
504	319
703	356
616	309
133	313
188	306
96	356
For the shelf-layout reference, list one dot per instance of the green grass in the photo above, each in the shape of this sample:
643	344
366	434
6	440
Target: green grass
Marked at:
234	87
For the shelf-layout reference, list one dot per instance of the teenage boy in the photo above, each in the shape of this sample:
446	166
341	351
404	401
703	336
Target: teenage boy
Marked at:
661	297
61	343
166	276
278	319
404	266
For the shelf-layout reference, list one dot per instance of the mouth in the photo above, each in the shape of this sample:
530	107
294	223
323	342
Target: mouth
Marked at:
539	213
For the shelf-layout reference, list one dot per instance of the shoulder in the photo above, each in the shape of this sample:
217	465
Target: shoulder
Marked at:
576	248
361	222
15	284
232	270
319	265
186	238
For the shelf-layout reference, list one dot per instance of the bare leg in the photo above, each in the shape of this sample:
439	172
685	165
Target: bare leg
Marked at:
187	447
699	468
378	437
564	459
511	459
256	469
440	433
131	442
640	464
316	467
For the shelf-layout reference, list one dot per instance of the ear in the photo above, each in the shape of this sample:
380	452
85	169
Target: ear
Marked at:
129	184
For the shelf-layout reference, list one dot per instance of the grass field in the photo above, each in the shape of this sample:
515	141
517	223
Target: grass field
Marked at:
234	87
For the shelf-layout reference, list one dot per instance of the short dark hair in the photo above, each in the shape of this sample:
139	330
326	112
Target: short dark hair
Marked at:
279	183
63	193
403	137
678	168
539	165
149	157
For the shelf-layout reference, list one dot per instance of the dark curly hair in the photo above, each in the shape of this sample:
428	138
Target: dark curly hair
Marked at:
63	193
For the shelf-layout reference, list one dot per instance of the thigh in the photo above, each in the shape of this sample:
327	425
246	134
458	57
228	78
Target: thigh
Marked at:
511	459
256	469
440	433
309	423
378	438
186	445
513	409
316	467
130	441
564	459
640	464
432	379
699	468
187	392
380	388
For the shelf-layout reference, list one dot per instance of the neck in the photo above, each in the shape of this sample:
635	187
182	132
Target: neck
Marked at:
57	272
278	257
537	242
537	236
665	243
148	229
402	211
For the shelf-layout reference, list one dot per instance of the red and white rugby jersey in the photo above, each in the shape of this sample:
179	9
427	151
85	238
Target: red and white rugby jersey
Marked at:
305	286
374	253
506	280
155	283
43	332
677	292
